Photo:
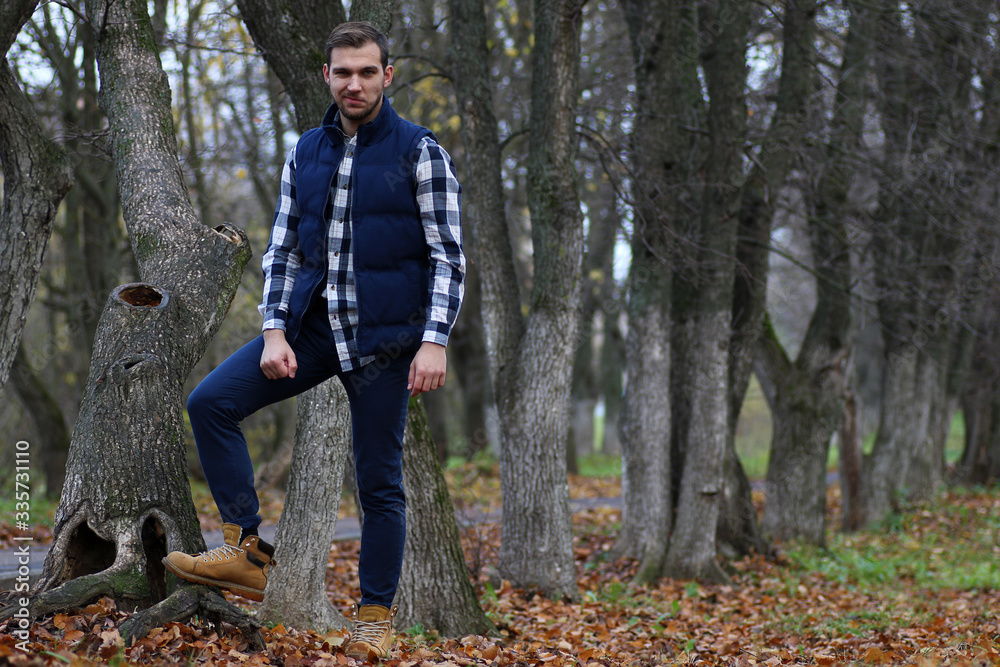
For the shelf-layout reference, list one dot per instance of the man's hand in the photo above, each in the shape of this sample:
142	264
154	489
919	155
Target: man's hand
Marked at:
428	368
278	359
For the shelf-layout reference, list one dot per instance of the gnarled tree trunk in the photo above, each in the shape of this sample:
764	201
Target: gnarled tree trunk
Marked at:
126	500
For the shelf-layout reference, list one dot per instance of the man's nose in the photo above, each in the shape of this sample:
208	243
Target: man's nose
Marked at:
354	83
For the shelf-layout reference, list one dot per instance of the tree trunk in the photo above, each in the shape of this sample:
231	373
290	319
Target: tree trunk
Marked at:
780	151
806	396
290	36
807	407
296	590
36	177
661	32
612	367
647	502
849	442
536	550
598	282
126	501
905	421
927	65
468	357
530	362
435	589
980	462
692	552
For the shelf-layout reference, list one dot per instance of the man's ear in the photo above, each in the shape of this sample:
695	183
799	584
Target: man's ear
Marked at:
388	76
326	73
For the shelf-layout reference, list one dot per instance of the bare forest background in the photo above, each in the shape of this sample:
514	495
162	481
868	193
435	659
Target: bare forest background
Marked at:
711	242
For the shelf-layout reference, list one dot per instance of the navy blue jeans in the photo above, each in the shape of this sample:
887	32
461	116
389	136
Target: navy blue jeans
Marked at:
378	398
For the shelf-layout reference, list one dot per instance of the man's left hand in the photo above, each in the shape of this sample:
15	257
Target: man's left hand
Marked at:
428	368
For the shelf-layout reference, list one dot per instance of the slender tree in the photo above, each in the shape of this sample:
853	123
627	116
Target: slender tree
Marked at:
530	357
806	393
704	337
925	64
662	35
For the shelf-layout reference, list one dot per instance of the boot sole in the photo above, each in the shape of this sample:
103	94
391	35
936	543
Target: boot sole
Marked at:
255	594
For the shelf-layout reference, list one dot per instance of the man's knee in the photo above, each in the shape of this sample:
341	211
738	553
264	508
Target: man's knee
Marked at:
202	403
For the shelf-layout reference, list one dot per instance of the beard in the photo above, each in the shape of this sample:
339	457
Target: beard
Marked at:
359	114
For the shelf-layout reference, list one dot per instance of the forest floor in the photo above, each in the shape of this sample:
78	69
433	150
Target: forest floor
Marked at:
922	588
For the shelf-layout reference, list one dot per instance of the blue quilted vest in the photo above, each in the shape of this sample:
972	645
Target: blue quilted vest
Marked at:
391	262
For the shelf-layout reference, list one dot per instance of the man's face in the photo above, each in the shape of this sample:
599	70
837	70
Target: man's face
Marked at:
356	81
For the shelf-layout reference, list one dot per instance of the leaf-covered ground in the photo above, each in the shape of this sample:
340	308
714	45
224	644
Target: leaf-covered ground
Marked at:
921	589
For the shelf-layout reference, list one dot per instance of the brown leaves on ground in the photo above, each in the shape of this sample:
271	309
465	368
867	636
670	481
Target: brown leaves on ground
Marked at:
783	612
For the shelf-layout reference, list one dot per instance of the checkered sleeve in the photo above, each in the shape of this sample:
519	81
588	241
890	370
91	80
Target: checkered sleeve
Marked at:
439	201
283	257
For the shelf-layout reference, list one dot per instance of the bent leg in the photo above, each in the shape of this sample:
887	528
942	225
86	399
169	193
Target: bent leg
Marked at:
234	390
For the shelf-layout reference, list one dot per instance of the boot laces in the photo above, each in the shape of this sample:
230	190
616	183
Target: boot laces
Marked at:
225	552
370	632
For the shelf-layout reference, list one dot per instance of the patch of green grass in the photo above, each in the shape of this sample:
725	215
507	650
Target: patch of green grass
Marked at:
41	510
753	432
600	465
943	545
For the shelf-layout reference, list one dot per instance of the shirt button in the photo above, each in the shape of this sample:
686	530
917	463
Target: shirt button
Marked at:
336	254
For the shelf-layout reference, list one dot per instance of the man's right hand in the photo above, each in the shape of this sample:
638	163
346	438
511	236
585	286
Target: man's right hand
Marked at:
278	359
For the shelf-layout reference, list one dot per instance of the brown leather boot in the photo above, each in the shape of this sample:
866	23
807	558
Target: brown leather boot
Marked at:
239	566
371	638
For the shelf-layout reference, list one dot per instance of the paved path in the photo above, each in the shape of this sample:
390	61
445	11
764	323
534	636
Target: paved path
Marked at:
347	529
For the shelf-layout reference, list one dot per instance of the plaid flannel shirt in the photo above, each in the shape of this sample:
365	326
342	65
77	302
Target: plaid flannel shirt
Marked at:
438	201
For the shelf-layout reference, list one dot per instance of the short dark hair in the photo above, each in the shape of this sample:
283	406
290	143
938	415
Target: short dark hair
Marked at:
356	34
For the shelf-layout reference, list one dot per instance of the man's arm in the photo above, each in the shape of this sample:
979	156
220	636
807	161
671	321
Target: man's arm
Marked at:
280	265
439	201
283	258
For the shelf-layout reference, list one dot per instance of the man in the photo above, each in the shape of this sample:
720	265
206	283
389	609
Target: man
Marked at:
363	280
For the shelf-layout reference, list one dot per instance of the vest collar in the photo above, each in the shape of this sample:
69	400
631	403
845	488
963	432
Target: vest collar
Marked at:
370	133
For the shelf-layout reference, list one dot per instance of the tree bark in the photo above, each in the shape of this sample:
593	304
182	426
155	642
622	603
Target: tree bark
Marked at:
435	589
296	590
693	552
806	395
926	72
126	501
661	34
290	36
36	177
536	550
531	360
